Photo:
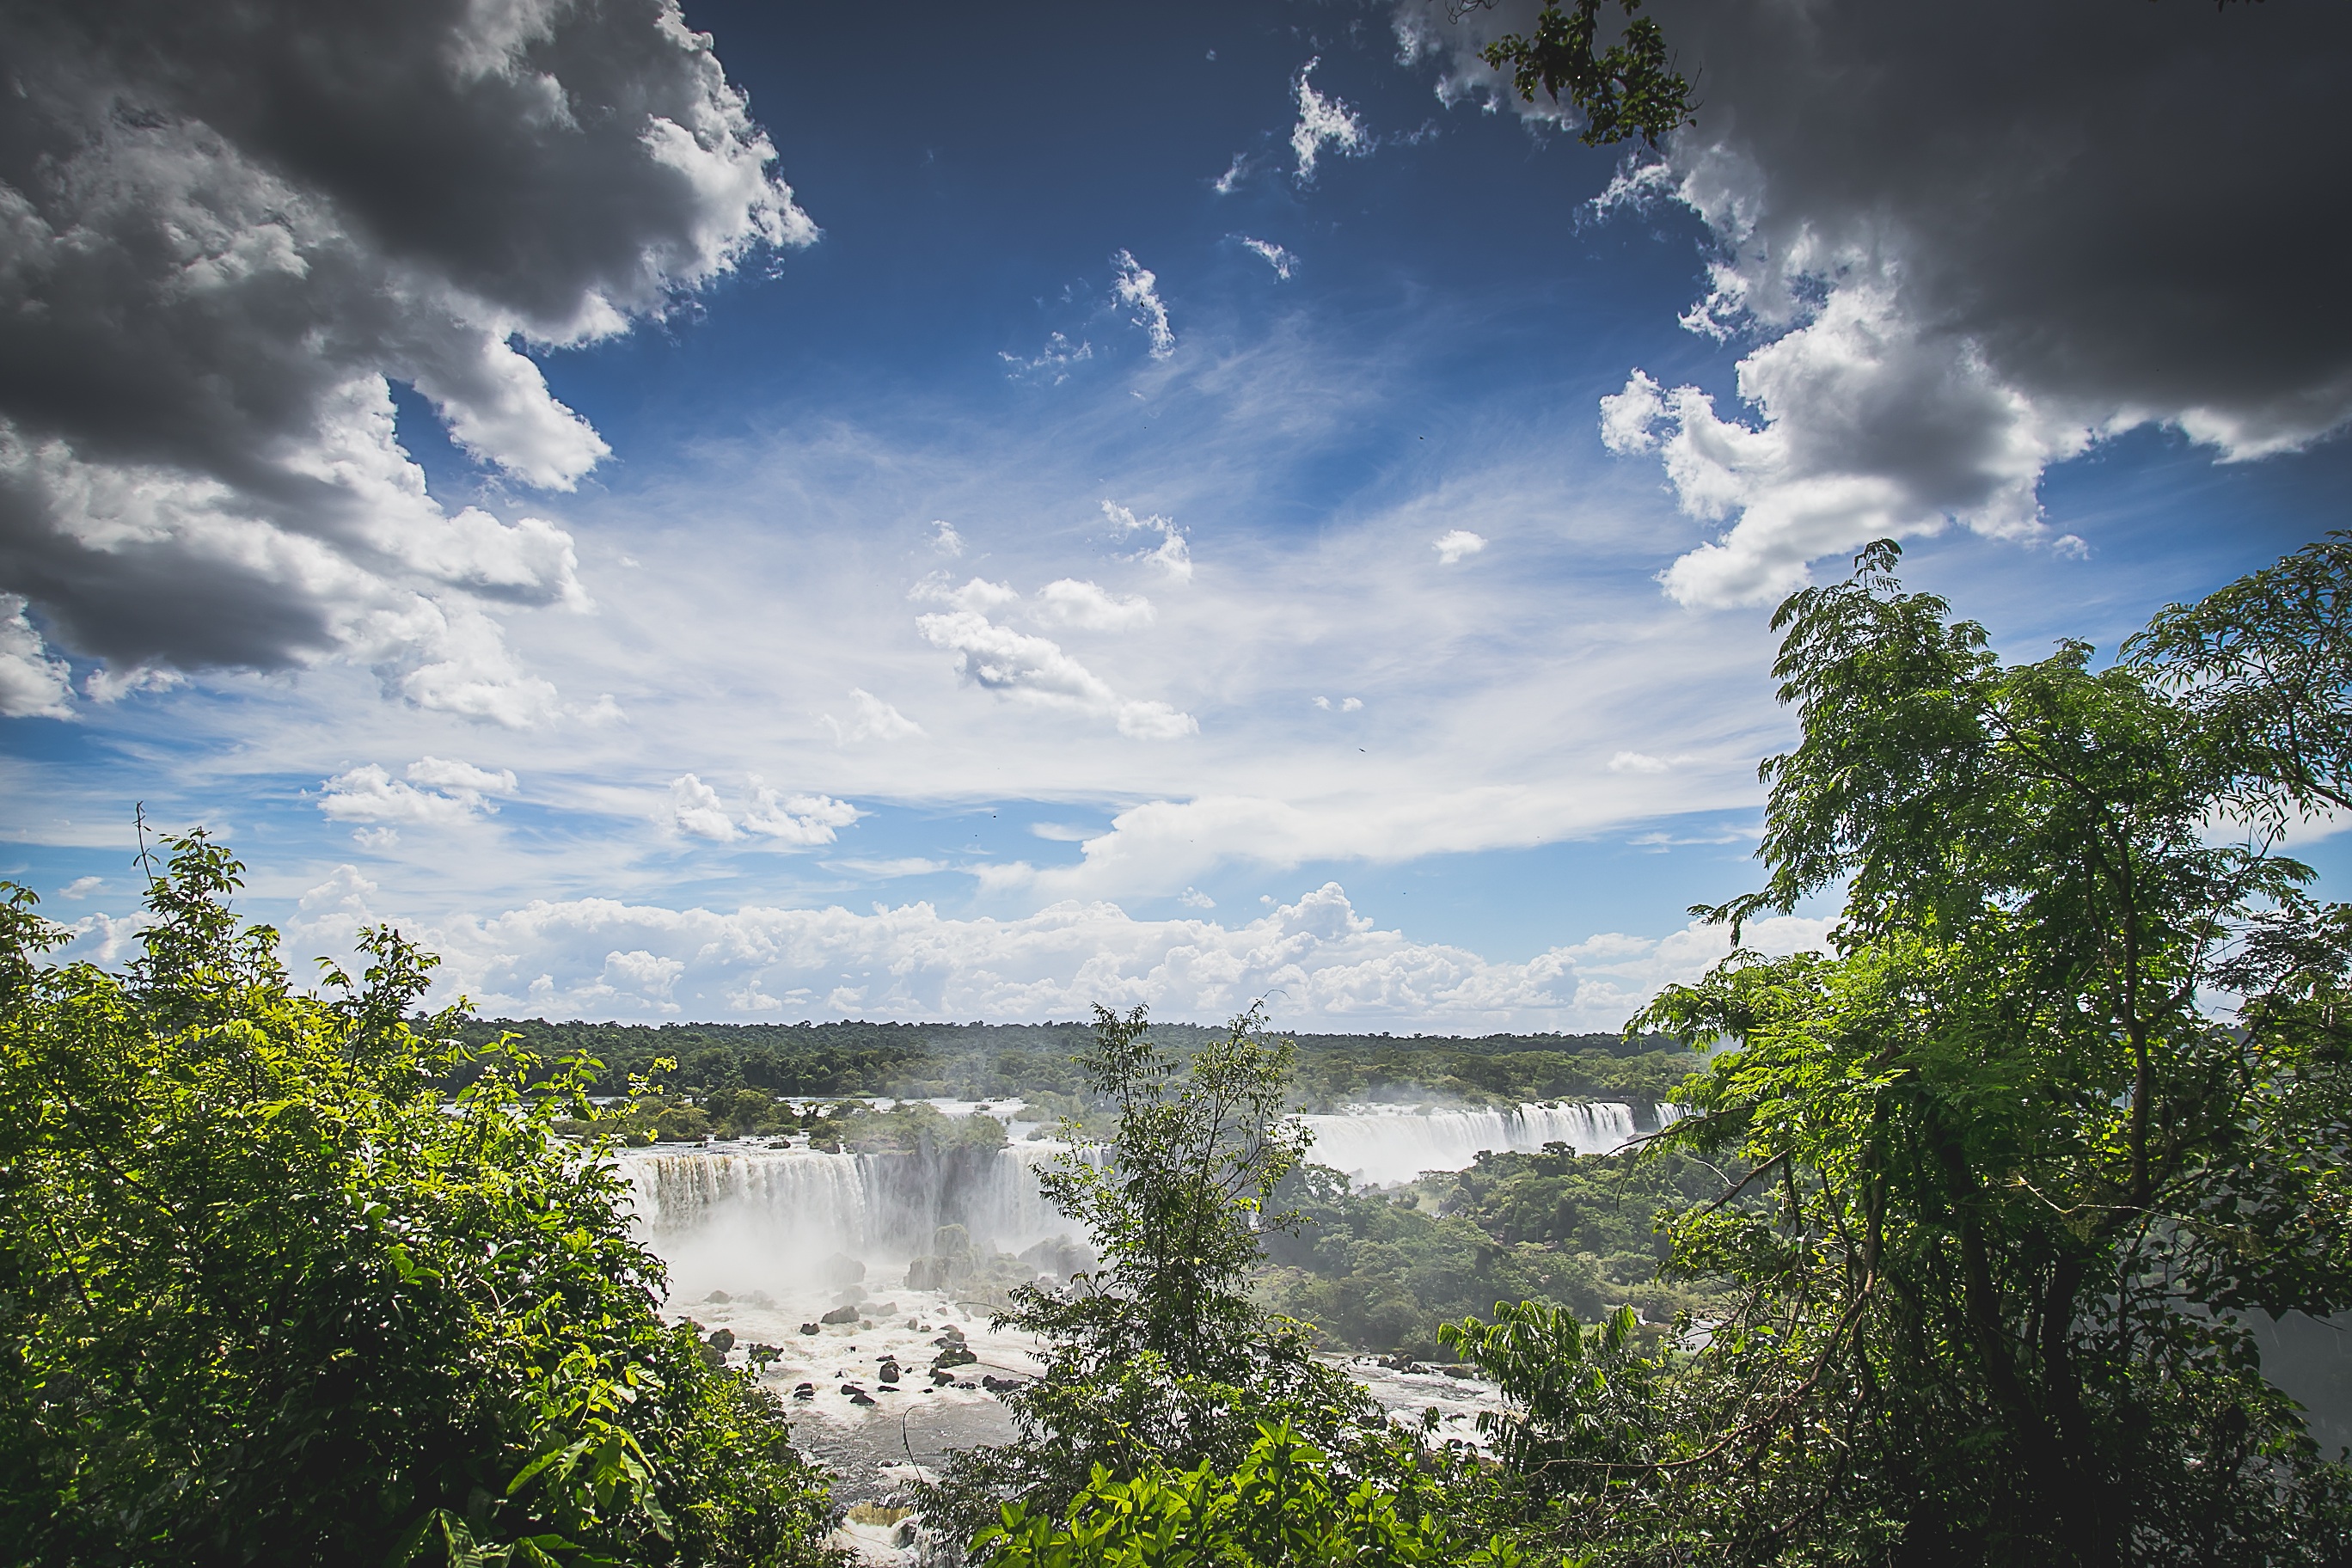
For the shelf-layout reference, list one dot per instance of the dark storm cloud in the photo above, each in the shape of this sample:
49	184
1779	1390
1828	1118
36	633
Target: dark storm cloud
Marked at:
223	226
1975	238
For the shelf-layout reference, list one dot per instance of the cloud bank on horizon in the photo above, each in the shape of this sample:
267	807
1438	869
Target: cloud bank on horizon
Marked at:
438	449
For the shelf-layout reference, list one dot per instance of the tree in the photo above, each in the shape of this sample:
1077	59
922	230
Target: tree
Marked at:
1630	89
1286	1505
266	1297
2017	1178
1161	1360
2001	1179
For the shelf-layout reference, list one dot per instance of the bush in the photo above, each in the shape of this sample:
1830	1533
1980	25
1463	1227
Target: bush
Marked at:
265	1298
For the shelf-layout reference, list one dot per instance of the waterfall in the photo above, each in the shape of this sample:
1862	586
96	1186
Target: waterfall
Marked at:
1378	1146
869	1203
785	1216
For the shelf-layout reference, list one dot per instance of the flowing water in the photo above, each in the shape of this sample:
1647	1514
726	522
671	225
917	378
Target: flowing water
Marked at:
765	1238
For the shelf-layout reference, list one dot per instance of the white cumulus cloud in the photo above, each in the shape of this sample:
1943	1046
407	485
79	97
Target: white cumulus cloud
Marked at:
1034	669
34	683
1284	262
1324	124
197	224
437	792
1092	607
1138	288
1325	963
1455	544
799	820
1173	554
874	720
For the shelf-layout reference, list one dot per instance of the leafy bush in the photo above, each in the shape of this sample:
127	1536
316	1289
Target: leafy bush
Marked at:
1286	1505
265	1297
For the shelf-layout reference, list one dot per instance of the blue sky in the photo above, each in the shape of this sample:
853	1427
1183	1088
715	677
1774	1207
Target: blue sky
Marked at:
1064	547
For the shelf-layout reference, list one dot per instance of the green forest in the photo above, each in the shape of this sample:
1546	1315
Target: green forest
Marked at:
996	1061
1962	1252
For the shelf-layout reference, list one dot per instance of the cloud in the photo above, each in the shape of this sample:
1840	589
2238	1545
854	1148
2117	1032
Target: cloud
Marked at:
1138	288
1321	962
208	286
1456	542
977	594
903	866
1052	365
1324	123
1229	180
801	821
1345	705
696	810
945	539
1173	555
1036	670
1960	262
81	886
1193	899
1283	261
1092	607
436	793
875	720
34	683
805	820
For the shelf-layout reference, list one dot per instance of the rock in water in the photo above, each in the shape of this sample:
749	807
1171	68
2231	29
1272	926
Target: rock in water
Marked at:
811	1328
840	1315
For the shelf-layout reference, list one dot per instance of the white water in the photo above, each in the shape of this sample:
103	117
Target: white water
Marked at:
1380	1145
801	1201
773	1216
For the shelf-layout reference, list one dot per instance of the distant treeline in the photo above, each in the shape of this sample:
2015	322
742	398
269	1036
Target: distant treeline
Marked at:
994	1060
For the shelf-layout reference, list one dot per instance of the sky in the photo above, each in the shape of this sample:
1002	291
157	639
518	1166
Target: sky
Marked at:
755	513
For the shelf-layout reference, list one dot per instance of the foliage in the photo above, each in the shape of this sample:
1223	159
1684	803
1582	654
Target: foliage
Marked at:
267	1297
1380	1270
1043	1064
1161	1357
1286	1505
1630	89
2020	1181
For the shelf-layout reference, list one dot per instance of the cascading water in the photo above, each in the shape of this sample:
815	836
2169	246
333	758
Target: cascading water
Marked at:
1379	1145
791	1207
798	1201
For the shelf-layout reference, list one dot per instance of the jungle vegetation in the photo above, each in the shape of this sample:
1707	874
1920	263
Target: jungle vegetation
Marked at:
1985	1203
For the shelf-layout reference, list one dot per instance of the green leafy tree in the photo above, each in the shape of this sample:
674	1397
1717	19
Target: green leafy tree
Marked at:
1162	1357
1287	1505
2020	1177
1630	89
2004	1177
266	1297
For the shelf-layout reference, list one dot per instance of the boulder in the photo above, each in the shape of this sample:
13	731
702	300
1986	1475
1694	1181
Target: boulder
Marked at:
954	1355
717	1299
889	1373
840	1315
804	1391
811	1328
721	1340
